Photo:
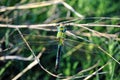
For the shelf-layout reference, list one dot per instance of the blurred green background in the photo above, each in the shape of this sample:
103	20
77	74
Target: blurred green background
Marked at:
77	56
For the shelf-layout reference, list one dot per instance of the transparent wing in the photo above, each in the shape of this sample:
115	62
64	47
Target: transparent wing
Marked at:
36	42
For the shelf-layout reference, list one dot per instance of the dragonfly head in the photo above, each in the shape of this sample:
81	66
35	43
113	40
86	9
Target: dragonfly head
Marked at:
61	28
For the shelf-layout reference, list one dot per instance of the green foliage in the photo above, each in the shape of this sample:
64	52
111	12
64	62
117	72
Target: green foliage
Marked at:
77	55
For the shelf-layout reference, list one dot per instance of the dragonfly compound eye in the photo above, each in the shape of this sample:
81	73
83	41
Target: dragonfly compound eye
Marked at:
62	29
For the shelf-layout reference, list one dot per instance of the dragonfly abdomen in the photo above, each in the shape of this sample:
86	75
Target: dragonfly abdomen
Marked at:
58	57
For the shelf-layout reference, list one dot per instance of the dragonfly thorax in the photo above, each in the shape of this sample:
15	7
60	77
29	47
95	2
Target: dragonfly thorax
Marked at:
61	29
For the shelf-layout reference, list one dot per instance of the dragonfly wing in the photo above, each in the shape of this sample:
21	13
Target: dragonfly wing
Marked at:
35	41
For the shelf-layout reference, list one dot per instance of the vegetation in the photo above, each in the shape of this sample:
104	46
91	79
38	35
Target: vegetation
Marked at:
28	31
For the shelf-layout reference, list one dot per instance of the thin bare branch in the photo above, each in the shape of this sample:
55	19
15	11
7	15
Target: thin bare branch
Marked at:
70	33
31	65
41	4
78	77
93	31
94	34
2	58
95	72
100	25
78	74
73	10
51	27
109	55
42	26
30	5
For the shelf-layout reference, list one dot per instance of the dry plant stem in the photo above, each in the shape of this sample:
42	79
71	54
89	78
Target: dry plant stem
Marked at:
100	25
43	27
2	58
88	77
94	34
90	68
93	31
109	55
30	5
94	74
93	25
71	9
35	55
31	65
72	34
37	26
83	76
41	4
85	70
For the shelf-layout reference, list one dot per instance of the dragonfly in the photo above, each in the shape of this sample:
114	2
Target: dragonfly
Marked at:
59	44
61	40
60	36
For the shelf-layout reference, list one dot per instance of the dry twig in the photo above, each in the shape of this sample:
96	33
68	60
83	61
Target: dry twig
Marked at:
95	72
31	65
49	27
2	58
30	5
40	4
